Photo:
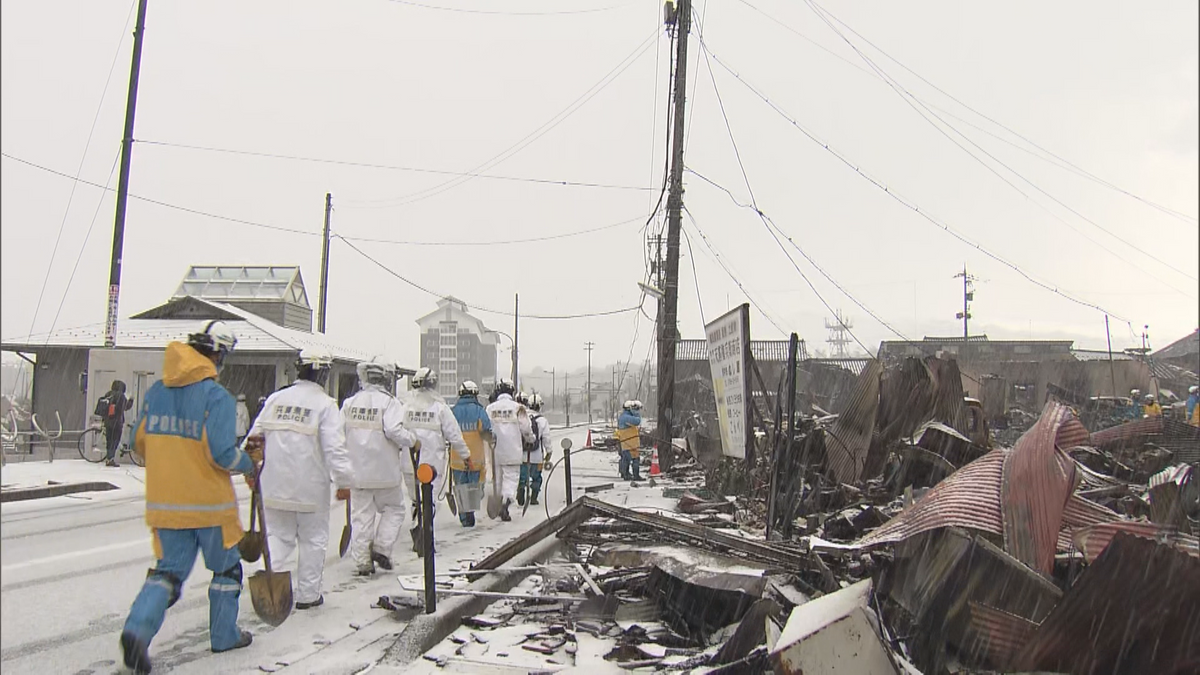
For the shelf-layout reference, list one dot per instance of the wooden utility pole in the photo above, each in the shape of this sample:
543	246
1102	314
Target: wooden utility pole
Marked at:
516	321
118	245
668	316
324	266
588	346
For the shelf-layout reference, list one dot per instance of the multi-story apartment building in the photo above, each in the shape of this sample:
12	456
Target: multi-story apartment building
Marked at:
457	346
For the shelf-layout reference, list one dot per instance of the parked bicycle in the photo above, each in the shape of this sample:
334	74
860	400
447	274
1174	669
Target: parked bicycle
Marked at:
93	448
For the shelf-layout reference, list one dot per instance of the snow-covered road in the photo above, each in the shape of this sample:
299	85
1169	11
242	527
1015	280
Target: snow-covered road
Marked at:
70	566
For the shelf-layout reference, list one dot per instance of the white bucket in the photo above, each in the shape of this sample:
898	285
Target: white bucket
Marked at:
468	496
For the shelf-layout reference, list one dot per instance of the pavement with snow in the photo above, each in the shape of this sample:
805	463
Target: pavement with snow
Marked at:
70	567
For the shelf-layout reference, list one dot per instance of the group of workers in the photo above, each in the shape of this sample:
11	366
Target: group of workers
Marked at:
300	448
1147	405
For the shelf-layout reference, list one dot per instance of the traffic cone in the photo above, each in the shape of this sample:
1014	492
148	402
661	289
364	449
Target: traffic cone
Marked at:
588	443
654	470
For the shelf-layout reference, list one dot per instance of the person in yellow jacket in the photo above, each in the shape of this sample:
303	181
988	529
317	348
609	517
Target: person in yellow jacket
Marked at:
187	435
1151	408
476	430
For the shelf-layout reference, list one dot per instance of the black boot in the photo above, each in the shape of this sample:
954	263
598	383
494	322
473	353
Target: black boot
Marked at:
533	500
382	560
520	495
504	511
309	605
243	641
136	652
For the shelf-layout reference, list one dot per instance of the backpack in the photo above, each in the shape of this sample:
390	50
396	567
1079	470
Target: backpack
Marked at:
537	434
106	408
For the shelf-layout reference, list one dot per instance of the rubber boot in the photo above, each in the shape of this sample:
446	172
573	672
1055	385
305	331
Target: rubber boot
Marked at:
384	562
244	640
521	493
504	511
533	499
136	653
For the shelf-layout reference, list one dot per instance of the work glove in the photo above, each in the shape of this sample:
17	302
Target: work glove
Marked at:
343	494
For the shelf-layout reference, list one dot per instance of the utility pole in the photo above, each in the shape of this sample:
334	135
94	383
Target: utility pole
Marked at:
567	395
669	307
968	296
553	387
118	245
588	346
516	320
324	266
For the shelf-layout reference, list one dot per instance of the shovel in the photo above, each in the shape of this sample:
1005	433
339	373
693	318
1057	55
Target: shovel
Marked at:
493	503
270	592
450	493
344	544
251	545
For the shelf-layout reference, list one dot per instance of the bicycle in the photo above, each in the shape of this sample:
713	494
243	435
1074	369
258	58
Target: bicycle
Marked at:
94	448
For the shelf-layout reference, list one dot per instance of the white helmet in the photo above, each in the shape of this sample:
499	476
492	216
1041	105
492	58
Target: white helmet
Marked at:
468	388
535	401
1193	389
313	364
522	398
506	386
637	405
217	339
424	378
379	371
628	405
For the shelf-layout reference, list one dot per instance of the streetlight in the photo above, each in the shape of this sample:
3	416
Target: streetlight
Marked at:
514	352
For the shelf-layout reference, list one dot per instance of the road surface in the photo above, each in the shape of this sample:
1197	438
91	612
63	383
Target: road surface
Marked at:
71	566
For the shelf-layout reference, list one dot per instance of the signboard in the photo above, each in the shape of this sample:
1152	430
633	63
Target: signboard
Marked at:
728	356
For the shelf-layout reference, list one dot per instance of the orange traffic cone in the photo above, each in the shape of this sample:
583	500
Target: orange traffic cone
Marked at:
654	470
588	443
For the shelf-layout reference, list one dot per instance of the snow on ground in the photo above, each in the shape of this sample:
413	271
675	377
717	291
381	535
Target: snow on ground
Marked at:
72	565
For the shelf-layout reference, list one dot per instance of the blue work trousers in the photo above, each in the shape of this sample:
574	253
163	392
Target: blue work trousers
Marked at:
531	475
629	466
467	518
164	584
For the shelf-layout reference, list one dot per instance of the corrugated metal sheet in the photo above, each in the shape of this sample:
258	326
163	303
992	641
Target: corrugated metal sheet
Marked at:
1127	433
1037	481
1185	346
997	636
1180	438
1072	434
1094	539
854	365
761	350
1134	610
849	441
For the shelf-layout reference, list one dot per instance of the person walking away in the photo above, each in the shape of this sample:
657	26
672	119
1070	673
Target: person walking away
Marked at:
476	430
111	408
377	443
435	426
1193	406
628	435
511	429
1151	408
243	418
306	441
185	433
536	453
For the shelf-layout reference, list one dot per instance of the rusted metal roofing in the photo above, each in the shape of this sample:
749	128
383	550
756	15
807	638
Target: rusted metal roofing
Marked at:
1072	434
997	636
849	441
1133	610
1094	539
1036	483
1179	437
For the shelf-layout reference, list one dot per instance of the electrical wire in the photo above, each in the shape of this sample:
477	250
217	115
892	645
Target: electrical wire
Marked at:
754	202
902	200
157	202
532	136
463	10
913	103
423	289
79	170
391	167
1049	156
506	242
695	277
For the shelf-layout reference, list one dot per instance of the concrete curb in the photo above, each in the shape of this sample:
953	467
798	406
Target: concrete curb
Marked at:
45	491
427	630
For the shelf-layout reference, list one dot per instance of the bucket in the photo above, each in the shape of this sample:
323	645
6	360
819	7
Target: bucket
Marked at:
468	496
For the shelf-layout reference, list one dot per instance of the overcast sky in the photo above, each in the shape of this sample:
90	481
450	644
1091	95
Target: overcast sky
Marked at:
1109	87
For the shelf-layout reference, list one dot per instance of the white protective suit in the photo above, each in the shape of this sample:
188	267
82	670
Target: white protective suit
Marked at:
378	443
242	414
428	417
511	429
305	446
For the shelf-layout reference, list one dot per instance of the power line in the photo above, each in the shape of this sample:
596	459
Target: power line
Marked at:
156	202
1049	156
79	170
537	133
754	202
913	102
903	201
423	289
463	10
531	240
391	167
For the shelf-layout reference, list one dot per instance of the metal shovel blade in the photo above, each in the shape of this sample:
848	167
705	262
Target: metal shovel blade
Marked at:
251	545
450	494
271	594
344	544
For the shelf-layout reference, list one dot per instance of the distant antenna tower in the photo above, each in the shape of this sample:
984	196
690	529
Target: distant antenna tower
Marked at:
968	297
839	334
